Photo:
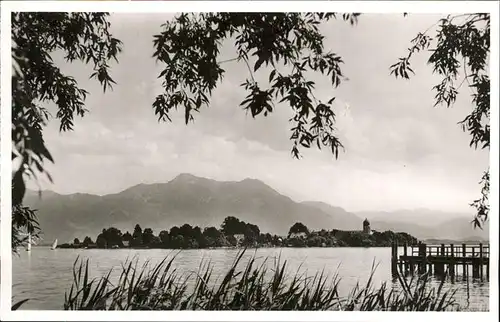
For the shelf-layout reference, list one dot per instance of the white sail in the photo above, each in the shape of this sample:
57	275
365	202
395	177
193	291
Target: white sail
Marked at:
28	247
54	245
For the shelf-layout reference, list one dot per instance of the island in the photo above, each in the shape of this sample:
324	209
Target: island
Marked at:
236	233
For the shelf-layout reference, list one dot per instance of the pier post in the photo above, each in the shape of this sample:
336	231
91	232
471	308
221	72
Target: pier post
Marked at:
464	264
475	268
422	253
394	258
474	263
488	264
481	260
439	266
432	264
403	267
453	261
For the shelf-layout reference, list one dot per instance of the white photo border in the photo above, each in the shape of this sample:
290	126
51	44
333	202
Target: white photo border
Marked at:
7	7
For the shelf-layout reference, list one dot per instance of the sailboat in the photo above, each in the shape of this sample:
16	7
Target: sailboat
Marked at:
54	245
28	247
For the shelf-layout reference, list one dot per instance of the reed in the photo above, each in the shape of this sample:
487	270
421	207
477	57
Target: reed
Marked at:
253	287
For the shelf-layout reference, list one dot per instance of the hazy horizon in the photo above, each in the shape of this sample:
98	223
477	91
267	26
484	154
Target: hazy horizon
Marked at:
401	153
459	214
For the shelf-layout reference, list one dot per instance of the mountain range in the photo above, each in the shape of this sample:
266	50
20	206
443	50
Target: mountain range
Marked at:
206	202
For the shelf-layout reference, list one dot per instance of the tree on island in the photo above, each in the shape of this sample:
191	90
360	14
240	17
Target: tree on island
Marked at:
188	47
101	241
113	237
249	237
232	226
177	241
186	230
127	237
315	240
298	228
265	239
87	241
251	233
174	231
147	236
211	232
76	241
155	241
137	236
198	237
186	236
213	237
164	238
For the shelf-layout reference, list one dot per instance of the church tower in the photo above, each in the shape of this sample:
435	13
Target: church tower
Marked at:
366	227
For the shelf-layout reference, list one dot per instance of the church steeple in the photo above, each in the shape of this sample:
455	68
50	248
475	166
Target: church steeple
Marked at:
366	226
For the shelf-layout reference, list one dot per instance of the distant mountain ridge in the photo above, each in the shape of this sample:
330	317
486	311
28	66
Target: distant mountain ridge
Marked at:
424	216
428	224
185	199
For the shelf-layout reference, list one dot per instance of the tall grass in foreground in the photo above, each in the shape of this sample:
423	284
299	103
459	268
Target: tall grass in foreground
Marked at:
255	287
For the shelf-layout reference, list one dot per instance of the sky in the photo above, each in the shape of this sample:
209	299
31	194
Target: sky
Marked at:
400	150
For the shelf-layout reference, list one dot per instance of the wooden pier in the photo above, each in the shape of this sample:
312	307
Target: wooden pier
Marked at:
453	260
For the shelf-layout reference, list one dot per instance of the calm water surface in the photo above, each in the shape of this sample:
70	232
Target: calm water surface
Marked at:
43	275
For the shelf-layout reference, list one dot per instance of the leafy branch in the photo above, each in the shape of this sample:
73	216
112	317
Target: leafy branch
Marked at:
36	80
189	46
467	42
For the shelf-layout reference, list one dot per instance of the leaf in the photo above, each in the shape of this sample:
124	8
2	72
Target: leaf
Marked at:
18	304
258	63
163	73
187	113
19	188
271	75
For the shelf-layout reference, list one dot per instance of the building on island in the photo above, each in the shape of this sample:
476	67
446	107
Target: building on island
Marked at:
366	229
239	238
298	235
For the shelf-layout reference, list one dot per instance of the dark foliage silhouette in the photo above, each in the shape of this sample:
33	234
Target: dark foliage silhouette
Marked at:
36	80
298	228
188	237
460	48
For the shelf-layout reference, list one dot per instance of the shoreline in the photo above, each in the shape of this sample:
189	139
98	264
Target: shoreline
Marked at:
214	248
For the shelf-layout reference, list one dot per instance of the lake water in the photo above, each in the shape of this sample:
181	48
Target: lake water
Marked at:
43	275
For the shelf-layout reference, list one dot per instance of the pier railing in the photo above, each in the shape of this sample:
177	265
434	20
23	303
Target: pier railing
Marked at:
442	259
463	250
